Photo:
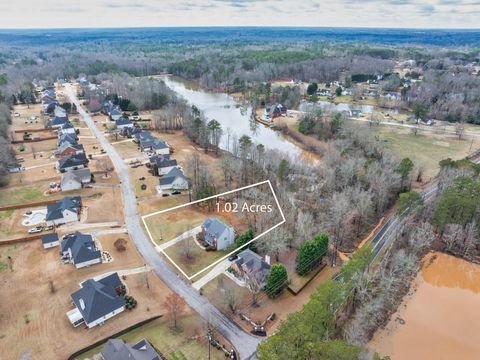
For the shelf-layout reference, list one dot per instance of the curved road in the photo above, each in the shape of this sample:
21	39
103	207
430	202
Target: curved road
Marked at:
245	343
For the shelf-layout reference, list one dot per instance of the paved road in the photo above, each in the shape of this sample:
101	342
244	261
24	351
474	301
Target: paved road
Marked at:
245	344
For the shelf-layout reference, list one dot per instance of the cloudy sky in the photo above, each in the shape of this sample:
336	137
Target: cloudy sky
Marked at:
345	13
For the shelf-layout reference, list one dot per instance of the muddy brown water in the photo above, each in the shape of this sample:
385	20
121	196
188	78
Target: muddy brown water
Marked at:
442	316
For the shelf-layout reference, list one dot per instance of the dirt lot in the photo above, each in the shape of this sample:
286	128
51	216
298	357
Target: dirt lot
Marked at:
33	321
24	121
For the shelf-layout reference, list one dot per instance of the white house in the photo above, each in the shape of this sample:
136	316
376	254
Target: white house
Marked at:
64	211
123	123
174	180
75	179
97	301
162	164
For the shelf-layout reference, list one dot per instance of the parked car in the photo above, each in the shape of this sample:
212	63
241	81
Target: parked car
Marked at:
28	213
233	257
48	228
16	114
35	230
165	195
176	192
33	117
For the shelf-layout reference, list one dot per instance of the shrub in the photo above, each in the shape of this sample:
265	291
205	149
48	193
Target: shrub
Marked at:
120	244
277	280
311	253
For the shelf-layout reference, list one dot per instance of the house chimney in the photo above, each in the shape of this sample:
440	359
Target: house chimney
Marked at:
267	259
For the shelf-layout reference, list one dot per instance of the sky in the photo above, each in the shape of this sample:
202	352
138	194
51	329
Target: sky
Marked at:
317	13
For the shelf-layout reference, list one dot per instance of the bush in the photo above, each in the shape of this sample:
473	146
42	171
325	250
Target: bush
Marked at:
277	280
120	244
143	187
244	238
311	253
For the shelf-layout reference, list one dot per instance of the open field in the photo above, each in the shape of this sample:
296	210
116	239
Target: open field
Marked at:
188	344
24	121
198	258
36	296
424	149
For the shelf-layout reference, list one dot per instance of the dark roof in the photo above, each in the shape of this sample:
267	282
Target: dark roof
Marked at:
98	298
82	247
123	121
67	125
116	349
253	264
54	211
163	161
66	144
65	137
72	160
159	144
49	238
57	121
170	177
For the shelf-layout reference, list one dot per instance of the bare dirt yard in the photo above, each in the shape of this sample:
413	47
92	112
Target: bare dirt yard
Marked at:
36	297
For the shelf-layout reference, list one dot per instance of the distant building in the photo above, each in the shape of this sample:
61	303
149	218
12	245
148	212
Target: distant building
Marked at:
75	179
72	162
162	164
123	122
50	240
251	267
274	111
218	234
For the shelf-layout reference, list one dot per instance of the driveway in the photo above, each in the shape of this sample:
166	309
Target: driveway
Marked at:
245	343
217	270
186	234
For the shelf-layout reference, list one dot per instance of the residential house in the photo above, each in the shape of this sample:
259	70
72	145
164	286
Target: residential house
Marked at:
72	162
59	111
117	349
80	249
57	122
324	92
67	128
250	267
75	179
347	92
115	114
173	181
123	122
50	240
218	234
68	148
274	111
131	131
148	143
160	147
97	301
67	138
162	164
49	105
64	211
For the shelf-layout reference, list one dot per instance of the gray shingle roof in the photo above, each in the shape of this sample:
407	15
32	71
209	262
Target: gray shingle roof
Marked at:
72	160
96	299
116	349
80	175
57	121
170	177
49	238
123	121
254	265
213	228
82	247
54	211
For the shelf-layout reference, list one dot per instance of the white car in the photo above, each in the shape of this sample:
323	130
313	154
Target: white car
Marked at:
35	230
16	114
33	117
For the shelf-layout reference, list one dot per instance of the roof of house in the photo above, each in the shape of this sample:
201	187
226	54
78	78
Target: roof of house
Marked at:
253	264
96	299
82	247
72	160
123	121
67	144
144	135
116	349
49	238
67	125
214	228
79	175
163	161
58	120
159	144
65	137
115	111
170	177
55	211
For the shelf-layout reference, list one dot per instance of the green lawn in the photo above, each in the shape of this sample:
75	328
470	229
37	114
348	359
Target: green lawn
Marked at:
199	257
424	149
171	344
20	195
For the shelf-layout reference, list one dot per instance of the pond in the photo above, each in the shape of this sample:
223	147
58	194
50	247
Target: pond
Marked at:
442	317
234	117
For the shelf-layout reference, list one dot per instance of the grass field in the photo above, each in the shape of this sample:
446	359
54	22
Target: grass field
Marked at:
20	195
171	344
199	257
424	149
